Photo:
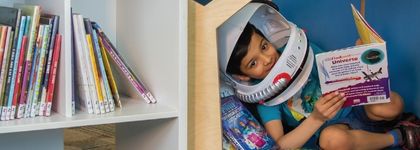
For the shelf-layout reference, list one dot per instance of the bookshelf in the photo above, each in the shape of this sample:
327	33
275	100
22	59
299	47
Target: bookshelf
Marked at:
152	36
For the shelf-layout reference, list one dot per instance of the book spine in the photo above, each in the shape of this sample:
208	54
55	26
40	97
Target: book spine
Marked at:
6	98
102	104
3	76
40	71
22	47
37	72
95	66
83	83
106	88
88	64
51	47
32	75
26	72
2	48
8	47
109	74
51	82
3	30
19	78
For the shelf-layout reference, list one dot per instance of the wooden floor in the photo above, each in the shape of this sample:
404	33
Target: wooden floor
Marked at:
100	137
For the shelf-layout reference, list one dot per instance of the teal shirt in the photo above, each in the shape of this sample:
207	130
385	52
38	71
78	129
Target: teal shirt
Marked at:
310	93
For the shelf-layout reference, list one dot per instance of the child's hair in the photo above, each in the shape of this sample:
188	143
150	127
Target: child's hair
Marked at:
241	48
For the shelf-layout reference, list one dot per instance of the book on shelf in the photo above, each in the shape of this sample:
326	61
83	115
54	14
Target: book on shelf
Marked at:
360	72
6	48
123	66
97	91
53	21
84	90
108	71
101	67
241	128
26	50
7	102
53	73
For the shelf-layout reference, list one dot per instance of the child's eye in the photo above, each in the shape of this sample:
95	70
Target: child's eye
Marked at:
252	64
264	46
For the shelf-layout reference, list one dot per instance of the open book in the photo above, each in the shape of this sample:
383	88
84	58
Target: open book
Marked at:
361	72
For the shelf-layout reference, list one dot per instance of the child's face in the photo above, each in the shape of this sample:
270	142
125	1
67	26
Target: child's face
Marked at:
259	60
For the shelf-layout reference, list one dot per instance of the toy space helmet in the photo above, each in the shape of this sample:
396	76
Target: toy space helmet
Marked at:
291	70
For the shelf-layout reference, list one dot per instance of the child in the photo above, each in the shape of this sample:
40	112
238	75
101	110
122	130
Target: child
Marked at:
360	127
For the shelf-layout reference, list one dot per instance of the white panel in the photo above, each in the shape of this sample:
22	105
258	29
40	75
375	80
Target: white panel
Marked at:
34	140
101	11
159	134
149	38
9	3
183	75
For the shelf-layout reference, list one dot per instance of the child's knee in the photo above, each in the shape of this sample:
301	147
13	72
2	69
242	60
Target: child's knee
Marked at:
335	138
386	111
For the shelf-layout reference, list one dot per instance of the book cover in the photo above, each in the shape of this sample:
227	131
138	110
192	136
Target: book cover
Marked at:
241	128
360	72
366	32
226	144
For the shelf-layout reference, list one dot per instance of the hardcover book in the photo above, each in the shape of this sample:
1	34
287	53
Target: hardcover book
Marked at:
241	128
360	72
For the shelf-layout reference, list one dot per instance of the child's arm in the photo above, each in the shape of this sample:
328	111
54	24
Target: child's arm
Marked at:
325	108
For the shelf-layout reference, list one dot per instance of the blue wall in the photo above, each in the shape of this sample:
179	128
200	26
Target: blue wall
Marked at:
330	24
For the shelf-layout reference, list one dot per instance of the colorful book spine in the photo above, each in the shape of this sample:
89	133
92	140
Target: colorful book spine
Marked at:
3	63
39	73
123	66
22	38
95	66
26	72
109	74
3	75
44	86
53	73
102	102
7	99
23	91
32	75
101	69
3	30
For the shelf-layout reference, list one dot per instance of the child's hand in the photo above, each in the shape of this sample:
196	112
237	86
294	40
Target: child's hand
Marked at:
327	106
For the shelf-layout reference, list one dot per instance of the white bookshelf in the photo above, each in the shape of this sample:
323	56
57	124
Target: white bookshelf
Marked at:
152	36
